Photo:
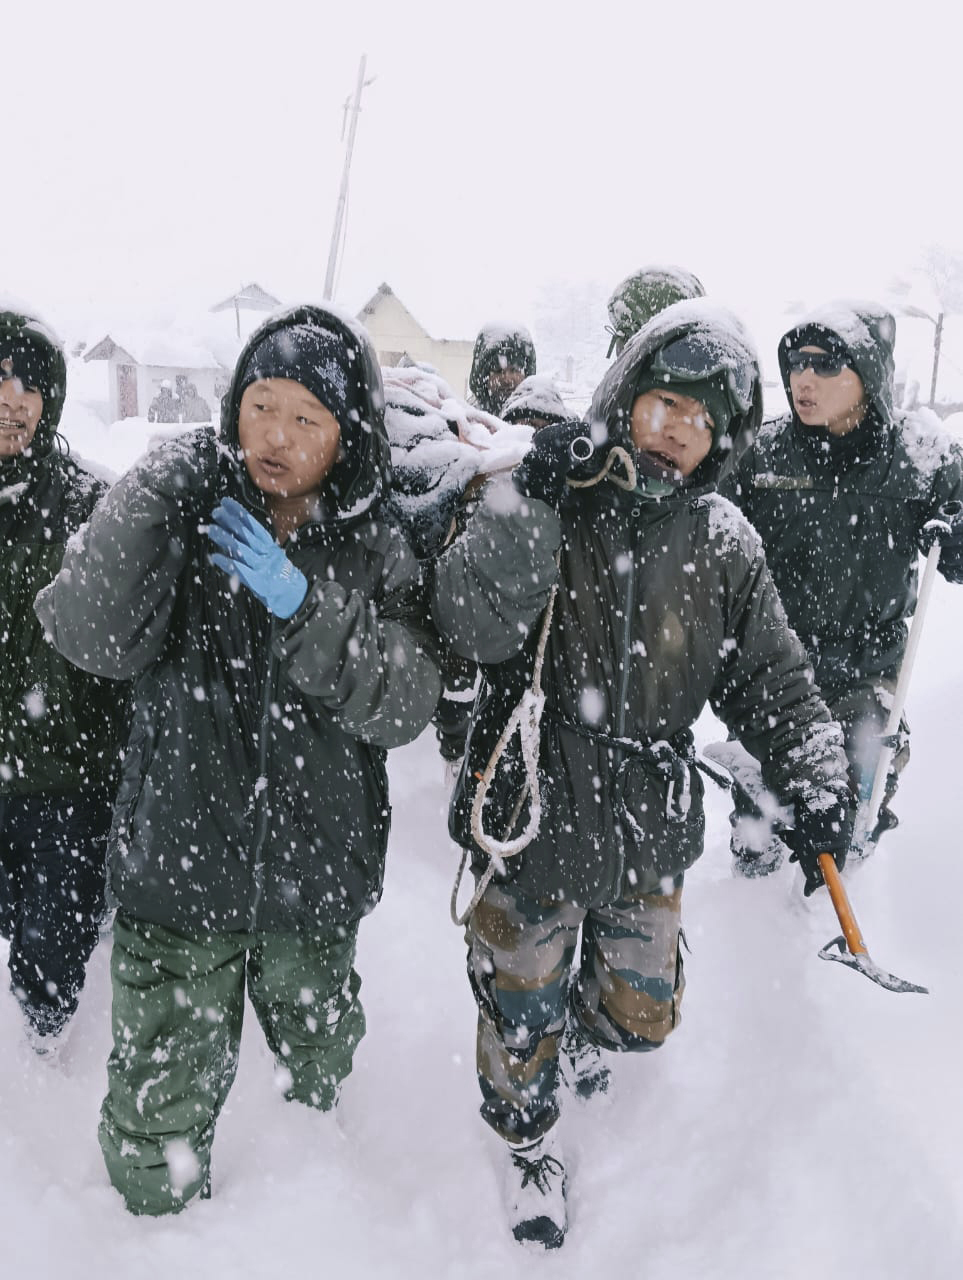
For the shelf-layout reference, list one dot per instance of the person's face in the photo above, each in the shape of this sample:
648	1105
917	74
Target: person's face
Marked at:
290	441
20	411
503	380
837	403
674	430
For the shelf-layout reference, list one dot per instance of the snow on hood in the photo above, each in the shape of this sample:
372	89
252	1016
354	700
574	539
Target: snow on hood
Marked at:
611	407
536	396
868	331
355	486
21	318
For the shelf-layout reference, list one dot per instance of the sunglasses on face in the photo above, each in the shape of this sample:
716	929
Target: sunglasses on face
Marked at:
824	364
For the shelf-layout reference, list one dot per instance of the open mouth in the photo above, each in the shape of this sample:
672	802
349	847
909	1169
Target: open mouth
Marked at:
7	424
663	460
273	466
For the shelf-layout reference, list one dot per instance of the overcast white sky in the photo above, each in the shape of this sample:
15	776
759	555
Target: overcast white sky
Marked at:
158	155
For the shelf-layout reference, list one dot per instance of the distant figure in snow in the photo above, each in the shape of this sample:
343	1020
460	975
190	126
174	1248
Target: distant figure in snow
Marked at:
277	635
163	407
581	826
59	728
192	407
502	357
642	295
846	492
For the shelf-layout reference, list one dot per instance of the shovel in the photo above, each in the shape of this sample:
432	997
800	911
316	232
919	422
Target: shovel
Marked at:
851	949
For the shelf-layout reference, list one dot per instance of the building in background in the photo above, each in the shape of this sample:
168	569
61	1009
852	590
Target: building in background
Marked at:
190	363
139	364
251	298
396	334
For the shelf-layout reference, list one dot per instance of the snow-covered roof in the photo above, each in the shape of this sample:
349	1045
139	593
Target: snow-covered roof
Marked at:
251	298
385	291
169	348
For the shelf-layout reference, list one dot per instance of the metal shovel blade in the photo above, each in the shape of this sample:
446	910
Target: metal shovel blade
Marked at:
866	965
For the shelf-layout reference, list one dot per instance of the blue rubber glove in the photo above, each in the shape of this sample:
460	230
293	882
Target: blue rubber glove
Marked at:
255	558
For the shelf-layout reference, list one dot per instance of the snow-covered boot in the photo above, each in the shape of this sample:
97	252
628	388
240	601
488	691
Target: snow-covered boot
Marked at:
580	1062
534	1191
886	820
750	863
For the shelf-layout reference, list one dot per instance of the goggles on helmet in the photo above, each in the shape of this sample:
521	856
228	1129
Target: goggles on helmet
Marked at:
693	359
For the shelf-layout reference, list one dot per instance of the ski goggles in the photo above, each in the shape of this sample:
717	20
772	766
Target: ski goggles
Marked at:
824	364
693	359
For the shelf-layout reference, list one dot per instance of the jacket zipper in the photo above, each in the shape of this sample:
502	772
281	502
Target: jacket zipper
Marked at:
261	796
623	695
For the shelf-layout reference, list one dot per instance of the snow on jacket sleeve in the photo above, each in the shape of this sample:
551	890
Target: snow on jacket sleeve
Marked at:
109	607
766	695
494	582
368	661
943	458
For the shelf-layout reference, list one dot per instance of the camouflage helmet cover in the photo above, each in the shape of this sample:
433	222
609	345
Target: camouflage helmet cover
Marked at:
642	295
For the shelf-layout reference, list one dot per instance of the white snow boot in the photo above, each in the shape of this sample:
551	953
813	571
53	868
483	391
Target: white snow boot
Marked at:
580	1062
534	1191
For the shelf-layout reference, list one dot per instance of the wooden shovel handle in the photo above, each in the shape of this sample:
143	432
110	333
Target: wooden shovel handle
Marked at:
854	939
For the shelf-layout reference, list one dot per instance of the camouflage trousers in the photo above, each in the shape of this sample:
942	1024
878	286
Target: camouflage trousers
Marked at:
862	711
178	1004
623	992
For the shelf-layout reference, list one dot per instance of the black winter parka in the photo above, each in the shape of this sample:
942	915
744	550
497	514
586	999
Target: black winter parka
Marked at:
59	727
662	606
842	518
254	792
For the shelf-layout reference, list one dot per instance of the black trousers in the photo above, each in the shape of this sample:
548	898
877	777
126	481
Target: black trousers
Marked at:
52	878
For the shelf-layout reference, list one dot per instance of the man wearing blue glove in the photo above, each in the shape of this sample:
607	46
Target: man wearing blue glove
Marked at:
275	631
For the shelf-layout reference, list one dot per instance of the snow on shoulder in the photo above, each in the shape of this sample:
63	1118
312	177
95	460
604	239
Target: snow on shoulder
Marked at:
728	527
928	445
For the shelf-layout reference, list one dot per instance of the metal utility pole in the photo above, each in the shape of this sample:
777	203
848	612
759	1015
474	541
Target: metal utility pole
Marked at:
343	193
937	343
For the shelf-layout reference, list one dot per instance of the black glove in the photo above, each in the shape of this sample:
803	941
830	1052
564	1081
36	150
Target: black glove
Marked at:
946	528
557	451
824	824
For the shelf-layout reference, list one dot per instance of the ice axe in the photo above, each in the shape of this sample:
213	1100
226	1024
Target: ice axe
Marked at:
850	947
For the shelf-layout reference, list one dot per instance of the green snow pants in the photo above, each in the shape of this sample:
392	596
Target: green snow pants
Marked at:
178	1004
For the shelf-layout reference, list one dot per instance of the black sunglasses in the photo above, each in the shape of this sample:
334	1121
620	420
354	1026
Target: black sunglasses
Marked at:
824	364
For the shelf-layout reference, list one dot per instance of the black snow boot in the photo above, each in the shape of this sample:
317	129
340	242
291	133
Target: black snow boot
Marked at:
534	1191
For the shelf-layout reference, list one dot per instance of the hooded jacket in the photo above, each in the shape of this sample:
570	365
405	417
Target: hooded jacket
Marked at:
662	606
58	725
496	344
254	793
841	518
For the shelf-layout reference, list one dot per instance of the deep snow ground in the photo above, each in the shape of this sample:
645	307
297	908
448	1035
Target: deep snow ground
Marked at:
801	1123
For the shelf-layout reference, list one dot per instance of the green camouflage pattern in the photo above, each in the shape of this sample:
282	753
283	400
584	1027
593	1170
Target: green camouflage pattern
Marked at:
642	295
178	1005
624	991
